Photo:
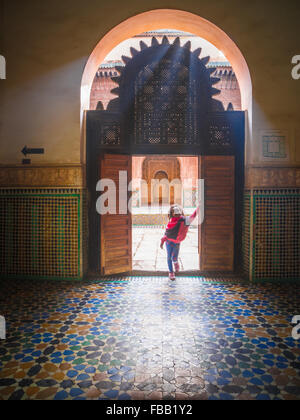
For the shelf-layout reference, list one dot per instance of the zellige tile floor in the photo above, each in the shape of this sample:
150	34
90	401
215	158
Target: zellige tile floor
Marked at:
149	338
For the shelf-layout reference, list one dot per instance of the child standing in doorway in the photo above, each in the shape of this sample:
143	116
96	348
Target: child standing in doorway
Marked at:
176	232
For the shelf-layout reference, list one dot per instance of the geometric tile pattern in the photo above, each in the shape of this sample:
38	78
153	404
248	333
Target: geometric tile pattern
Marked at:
276	244
139	338
246	233
273	214
40	232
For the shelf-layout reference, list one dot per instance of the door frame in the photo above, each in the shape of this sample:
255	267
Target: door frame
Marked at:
94	150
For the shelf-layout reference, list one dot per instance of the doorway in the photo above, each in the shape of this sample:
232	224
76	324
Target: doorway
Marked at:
158	182
166	106
217	233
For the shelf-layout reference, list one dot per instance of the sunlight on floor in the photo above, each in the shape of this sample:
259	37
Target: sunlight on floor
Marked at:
148	256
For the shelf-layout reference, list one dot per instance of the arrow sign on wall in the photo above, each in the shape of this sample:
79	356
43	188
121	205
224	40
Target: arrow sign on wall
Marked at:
27	151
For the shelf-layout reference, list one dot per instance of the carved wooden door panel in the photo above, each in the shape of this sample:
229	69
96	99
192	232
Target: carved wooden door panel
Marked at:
216	234
116	232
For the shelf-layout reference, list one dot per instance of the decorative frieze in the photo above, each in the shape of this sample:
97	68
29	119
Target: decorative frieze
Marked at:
41	176
281	177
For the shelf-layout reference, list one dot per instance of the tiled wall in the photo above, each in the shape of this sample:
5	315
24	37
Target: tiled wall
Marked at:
272	219
246	232
41	233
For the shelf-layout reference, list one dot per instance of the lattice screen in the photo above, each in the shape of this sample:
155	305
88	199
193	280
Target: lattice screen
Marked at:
110	133
220	135
40	233
165	105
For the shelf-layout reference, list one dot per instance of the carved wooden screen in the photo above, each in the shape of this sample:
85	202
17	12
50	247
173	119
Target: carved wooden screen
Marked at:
103	129
165	105
225	133
165	92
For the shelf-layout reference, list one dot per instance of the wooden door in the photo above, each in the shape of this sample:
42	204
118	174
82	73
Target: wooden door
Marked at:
116	232
216	234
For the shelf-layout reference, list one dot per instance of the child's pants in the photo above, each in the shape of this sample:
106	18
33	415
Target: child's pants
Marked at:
172	252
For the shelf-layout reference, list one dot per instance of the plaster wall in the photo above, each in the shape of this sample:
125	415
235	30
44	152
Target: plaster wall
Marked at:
47	45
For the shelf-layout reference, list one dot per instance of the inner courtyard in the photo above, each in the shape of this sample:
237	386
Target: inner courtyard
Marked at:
160	181
148	256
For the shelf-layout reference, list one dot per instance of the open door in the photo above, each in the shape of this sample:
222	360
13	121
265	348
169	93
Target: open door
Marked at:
216	234
116	232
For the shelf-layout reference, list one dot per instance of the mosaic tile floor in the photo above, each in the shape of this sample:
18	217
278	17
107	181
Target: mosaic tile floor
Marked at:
148	338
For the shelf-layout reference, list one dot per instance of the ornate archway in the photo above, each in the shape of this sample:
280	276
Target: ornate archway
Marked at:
161	19
166	106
